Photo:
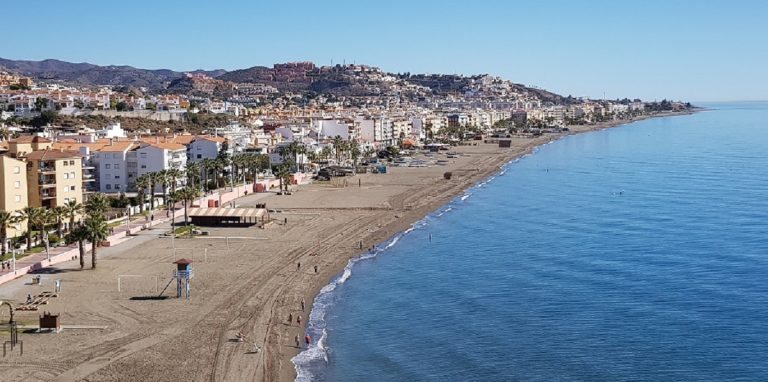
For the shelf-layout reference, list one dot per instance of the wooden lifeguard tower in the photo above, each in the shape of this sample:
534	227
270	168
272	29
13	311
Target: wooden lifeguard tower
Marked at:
183	274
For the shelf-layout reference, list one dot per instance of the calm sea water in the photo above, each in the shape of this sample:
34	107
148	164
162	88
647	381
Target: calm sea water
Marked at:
633	254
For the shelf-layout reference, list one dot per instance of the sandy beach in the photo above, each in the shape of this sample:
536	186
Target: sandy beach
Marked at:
249	283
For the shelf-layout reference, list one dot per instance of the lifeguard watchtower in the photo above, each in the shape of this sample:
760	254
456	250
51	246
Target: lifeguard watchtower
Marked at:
183	274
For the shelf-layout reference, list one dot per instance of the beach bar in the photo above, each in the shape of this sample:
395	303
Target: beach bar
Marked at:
221	216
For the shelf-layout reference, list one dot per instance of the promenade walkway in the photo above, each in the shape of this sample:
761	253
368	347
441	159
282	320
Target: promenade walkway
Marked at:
121	233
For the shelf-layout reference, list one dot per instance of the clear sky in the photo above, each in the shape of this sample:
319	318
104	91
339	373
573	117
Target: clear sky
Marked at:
689	50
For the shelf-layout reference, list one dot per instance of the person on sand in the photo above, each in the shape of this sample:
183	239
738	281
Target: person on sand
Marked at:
298	320
298	266
308	339
240	337
315	269
302	304
29	298
297	340
290	318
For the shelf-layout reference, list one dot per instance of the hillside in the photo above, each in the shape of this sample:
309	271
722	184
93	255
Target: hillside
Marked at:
294	77
90	75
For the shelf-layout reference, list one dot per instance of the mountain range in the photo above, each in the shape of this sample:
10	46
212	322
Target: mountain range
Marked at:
290	77
90	74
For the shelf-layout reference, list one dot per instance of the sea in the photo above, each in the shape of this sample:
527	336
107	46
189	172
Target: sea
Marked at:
636	253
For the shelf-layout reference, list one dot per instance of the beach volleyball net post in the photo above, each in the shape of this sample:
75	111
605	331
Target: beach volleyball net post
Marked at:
138	284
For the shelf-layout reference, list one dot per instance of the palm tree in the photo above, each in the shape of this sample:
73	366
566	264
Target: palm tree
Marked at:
217	165
284	175
96	205
354	151
142	182
326	152
173	197
29	214
72	208
337	148
79	234
41	219
173	174
192	173
58	214
96	230
205	167
188	196
7	220
164	179
95	227
154	179
239	163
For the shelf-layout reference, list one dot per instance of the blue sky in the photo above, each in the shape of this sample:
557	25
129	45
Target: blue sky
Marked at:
689	50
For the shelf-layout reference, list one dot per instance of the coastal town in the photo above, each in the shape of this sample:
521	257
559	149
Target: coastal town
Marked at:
261	183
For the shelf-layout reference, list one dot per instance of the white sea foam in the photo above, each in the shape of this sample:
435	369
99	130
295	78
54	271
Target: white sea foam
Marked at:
316	354
315	357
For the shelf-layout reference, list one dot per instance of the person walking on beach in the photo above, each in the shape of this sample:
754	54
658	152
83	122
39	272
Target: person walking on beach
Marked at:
298	266
315	269
308	339
297	340
302	304
298	320
290	318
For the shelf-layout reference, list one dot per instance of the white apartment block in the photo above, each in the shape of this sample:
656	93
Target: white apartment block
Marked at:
205	148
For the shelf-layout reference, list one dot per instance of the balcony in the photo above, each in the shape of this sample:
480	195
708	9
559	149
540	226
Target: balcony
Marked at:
48	195
47	169
47	181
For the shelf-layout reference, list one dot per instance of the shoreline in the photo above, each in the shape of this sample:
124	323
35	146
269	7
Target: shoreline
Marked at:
249	283
410	218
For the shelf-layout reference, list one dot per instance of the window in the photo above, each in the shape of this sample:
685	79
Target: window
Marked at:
65	163
109	187
117	166
66	175
142	155
199	156
66	200
17	170
18	198
66	188
114	156
72	188
71	163
108	166
143	166
117	187
117	176
17	184
72	175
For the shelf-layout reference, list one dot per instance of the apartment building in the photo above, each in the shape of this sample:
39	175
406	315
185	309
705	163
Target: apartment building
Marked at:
13	188
54	177
21	146
112	163
205	147
154	157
